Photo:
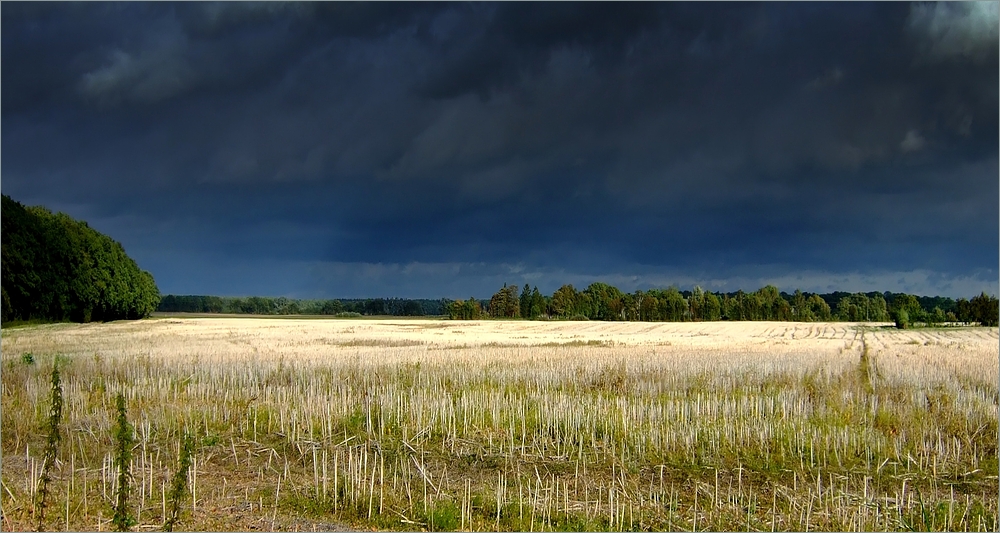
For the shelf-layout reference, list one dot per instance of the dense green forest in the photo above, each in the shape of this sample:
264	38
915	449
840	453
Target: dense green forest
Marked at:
56	268
600	301
259	305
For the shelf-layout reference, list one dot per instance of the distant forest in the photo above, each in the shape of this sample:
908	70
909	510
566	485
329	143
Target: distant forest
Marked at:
55	268
600	301
258	305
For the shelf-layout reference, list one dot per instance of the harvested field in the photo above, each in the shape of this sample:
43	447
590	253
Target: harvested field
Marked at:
509	425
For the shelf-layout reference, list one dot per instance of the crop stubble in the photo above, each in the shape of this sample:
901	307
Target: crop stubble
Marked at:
515	425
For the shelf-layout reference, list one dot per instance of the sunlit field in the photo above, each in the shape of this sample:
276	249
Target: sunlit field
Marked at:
507	425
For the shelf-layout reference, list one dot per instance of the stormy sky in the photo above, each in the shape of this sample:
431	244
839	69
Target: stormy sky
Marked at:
440	150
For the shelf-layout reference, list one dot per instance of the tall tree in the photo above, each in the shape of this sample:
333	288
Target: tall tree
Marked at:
617	307
564	301
538	307
525	301
673	306
57	268
505	303
696	302
601	295
849	308
799	310
963	310
908	303
878	310
711	307
818	308
985	310
649	308
767	299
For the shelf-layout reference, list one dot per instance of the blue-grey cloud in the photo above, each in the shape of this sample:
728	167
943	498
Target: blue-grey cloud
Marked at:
648	141
956	31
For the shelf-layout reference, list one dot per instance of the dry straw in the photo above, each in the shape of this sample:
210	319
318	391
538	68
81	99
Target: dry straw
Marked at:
515	425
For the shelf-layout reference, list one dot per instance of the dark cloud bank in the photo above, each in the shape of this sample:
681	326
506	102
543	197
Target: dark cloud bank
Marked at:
429	150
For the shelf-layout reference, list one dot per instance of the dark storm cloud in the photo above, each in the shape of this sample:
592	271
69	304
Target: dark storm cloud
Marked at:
508	41
442	149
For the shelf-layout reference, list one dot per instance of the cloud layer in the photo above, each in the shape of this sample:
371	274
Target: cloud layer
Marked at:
669	143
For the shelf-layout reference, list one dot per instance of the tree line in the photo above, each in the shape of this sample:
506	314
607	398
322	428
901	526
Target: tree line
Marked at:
263	305
600	301
55	268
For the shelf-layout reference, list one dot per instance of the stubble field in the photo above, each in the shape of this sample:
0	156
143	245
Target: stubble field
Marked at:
506	425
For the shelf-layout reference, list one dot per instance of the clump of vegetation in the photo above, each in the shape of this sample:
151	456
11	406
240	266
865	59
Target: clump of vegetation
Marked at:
470	309
348	314
445	516
52	439
124	439
902	319
179	483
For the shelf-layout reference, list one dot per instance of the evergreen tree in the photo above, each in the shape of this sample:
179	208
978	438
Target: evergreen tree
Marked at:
537	303
525	301
985	310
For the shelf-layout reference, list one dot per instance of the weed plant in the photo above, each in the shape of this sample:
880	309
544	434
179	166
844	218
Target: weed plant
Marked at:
124	439
179	483
52	438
